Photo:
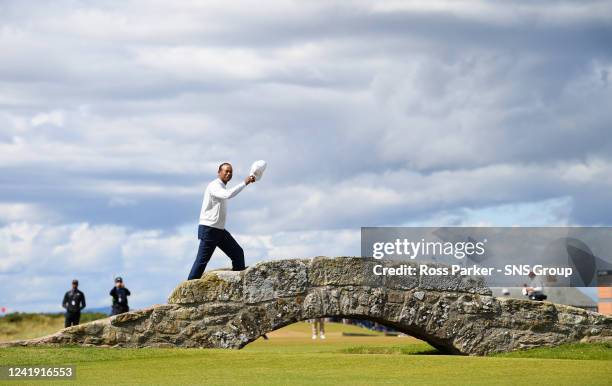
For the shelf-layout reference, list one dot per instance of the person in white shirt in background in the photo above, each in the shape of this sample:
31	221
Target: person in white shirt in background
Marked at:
211	230
320	323
535	289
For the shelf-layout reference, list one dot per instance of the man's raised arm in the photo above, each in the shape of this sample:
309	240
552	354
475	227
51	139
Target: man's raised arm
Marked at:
219	192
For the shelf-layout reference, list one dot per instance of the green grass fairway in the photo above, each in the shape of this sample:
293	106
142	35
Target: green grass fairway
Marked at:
26	326
292	357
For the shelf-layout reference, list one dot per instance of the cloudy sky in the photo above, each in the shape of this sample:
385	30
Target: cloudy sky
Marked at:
115	114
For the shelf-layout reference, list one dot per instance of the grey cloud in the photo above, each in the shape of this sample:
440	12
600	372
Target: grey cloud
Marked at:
446	111
116	114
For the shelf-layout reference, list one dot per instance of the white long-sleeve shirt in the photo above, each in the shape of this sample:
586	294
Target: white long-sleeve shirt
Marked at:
537	284
214	205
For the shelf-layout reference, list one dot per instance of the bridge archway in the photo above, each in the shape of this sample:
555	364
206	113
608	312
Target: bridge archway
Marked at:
455	314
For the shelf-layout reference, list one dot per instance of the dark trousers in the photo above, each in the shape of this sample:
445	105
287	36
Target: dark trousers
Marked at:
72	318
119	309
211	238
538	297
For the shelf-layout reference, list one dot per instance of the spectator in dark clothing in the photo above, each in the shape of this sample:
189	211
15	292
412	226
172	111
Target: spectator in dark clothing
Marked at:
74	302
120	297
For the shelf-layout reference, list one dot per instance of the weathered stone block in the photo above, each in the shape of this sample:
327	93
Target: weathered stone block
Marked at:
401	282
274	279
213	286
456	283
343	271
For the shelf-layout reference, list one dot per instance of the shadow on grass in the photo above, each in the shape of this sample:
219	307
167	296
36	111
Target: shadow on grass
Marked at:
357	334
582	351
575	351
392	350
431	351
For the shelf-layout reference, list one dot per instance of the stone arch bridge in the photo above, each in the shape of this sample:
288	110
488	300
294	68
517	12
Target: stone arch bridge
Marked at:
226	309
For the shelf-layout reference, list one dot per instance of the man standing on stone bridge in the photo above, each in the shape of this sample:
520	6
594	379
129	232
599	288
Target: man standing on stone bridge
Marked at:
211	231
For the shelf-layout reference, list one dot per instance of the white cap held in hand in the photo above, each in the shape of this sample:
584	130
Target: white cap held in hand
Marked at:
257	169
